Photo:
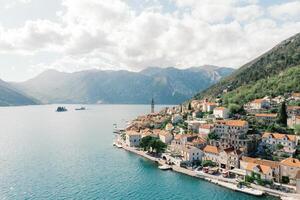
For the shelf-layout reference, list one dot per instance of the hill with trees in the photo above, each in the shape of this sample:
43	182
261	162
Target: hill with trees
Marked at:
273	73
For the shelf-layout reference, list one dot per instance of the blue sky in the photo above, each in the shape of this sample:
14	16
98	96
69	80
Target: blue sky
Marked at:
73	35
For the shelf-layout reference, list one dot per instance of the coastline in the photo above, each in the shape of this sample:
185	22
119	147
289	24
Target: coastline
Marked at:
227	183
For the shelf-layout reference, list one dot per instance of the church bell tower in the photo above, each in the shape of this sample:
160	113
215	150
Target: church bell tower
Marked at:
152	105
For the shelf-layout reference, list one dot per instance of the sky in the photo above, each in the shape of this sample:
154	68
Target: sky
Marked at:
74	35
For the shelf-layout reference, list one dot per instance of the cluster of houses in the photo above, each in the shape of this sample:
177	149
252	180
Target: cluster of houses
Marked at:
227	142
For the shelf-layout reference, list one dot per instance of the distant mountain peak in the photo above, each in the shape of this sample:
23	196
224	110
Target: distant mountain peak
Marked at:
168	85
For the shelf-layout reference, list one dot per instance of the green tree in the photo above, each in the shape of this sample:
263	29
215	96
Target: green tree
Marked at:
190	106
213	136
157	145
282	115
145	143
297	129
154	144
206	163
234	108
279	146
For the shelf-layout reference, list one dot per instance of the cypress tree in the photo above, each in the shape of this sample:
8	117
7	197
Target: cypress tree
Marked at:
282	115
189	106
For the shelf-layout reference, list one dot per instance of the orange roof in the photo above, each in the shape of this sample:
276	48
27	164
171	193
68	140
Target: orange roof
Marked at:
239	123
164	133
293	107
206	126
179	136
211	149
250	166
262	168
279	136
132	133
296	94
199	140
291	162
257	101
220	108
266	115
210	103
270	163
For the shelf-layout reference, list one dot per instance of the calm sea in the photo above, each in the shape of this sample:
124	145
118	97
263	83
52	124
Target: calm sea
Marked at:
49	155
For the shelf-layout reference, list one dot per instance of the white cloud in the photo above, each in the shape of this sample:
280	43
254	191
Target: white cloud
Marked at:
111	34
286	11
8	4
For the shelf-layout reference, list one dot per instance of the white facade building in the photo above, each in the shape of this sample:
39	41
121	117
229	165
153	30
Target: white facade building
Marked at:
221	112
289	142
191	153
133	138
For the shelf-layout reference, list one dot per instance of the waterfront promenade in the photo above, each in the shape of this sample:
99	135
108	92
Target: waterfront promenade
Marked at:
218	180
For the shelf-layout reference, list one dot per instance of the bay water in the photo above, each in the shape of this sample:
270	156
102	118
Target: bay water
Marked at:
50	155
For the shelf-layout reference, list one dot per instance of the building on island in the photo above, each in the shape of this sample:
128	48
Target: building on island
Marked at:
233	133
265	172
274	165
165	136
288	142
229	158
293	111
237	127
169	127
221	112
296	96
199	142
191	154
177	118
289	168
298	182
266	117
205	129
209	106
133	138
293	120
257	104
211	153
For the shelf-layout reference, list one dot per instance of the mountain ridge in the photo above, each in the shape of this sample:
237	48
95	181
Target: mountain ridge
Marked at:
166	85
9	96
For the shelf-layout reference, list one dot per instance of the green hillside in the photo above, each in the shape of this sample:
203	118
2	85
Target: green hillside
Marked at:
276	61
286	81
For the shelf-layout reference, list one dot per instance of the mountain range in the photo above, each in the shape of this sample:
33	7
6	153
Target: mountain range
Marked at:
10	96
165	85
276	72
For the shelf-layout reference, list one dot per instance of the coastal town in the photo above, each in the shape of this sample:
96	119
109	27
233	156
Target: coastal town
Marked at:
252	148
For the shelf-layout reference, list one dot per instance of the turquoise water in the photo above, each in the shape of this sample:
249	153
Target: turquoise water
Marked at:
49	155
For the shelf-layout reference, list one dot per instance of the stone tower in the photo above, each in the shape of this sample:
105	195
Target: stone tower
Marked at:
152	105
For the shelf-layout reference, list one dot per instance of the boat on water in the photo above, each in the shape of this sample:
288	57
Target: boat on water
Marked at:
164	167
81	108
117	144
61	109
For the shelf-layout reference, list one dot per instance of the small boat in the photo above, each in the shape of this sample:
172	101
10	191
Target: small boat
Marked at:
164	167
81	108
61	109
117	144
